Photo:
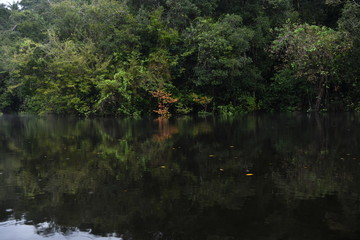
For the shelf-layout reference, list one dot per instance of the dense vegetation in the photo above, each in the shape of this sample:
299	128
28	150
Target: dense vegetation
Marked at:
108	57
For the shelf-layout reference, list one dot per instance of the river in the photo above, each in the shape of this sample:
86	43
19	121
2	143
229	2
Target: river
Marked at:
265	176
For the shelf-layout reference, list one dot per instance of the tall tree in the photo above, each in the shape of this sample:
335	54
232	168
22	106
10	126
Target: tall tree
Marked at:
218	52
312	52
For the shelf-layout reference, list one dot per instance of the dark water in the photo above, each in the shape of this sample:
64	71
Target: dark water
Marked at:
253	177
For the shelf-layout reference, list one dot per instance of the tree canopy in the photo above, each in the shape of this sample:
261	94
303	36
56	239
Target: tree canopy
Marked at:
107	57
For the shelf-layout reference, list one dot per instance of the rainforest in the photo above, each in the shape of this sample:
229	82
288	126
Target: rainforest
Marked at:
176	57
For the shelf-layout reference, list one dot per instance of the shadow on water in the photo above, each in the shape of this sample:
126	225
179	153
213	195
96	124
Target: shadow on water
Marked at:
290	176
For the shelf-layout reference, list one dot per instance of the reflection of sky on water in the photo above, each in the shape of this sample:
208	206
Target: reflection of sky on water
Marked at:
18	230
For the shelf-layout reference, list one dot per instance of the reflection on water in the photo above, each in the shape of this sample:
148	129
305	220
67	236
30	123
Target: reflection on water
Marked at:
19	230
253	177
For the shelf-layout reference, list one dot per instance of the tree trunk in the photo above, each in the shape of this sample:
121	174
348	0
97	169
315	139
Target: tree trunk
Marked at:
320	94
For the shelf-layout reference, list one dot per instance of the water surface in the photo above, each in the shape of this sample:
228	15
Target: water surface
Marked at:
253	177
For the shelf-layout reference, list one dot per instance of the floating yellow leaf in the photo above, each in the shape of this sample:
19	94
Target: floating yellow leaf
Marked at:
249	174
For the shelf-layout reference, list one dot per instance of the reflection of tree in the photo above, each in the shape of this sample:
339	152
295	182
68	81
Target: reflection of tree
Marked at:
112	175
165	129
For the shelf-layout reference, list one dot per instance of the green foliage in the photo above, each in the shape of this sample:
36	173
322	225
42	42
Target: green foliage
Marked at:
29	25
251	104
182	109
204	101
181	12
185	103
228	110
74	68
4	17
117	94
246	104
349	20
103	57
312	52
288	93
220	50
